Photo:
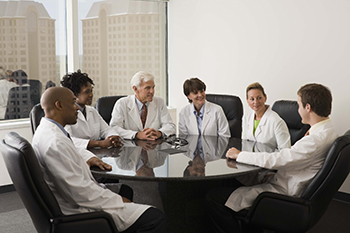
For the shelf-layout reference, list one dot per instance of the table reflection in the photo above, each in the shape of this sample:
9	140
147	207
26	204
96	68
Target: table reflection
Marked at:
203	157
201	150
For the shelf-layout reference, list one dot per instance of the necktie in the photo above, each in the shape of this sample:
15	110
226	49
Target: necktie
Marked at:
84	112
144	115
144	157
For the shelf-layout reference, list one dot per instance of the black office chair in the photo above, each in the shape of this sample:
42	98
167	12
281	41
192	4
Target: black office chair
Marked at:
41	204
282	213
233	109
104	106
288	111
35	116
19	103
35	91
49	84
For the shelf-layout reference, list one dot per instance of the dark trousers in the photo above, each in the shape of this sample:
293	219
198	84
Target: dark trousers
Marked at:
151	221
222	217
225	219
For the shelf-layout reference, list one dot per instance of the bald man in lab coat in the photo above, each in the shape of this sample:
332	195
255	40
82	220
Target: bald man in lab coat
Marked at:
69	176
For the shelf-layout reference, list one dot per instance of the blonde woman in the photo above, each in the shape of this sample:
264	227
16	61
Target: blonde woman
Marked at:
263	124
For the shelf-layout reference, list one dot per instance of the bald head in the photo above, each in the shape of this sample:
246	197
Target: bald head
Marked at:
59	105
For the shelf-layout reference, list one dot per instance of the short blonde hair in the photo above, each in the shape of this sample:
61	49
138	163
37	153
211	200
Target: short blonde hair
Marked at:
257	86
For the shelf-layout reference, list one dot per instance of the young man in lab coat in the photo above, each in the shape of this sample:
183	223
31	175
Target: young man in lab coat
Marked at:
69	176
143	115
296	165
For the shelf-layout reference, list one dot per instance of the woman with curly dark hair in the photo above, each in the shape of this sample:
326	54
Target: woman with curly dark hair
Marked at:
90	130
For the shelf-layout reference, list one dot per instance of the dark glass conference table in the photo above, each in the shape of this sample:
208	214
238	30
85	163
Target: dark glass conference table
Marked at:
182	158
175	174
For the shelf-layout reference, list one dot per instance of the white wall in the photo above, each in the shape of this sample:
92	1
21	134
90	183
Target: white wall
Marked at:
230	44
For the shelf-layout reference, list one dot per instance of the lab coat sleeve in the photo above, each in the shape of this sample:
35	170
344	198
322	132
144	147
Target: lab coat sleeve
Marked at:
105	129
167	126
182	122
245	127
282	135
299	156
85	154
223	127
70	175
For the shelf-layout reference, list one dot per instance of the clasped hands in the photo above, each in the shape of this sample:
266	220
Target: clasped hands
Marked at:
113	141
148	134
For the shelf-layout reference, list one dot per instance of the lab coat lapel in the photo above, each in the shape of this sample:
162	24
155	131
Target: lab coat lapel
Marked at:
151	114
134	113
262	123
206	117
193	121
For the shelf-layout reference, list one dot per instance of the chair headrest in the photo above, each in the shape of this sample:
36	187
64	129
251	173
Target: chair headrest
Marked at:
232	105
288	111
14	140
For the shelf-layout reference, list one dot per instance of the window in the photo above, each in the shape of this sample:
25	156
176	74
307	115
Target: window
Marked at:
42	62
116	40
120	38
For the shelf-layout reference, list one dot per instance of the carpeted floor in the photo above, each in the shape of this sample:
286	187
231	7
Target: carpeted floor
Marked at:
15	219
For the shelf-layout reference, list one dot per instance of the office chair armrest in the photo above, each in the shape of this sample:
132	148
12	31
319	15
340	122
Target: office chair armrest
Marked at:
279	212
85	222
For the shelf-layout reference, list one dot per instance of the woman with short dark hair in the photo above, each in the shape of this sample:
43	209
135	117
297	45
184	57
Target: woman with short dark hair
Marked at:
201	117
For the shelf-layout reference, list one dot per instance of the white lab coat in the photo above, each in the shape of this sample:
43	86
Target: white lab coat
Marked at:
126	118
71	181
296	166
271	130
91	128
214	121
5	87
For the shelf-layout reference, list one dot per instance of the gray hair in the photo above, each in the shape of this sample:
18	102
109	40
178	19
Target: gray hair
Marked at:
139	76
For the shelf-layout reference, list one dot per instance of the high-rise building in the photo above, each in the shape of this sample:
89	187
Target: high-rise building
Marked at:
120	38
27	39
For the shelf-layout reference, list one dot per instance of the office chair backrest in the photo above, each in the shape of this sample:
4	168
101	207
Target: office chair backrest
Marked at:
27	177
288	111
104	106
35	91
35	116
19	103
233	109
331	176
283	213
49	84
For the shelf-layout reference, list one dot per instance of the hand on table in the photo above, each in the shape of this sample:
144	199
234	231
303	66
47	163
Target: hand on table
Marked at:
232	153
111	141
148	134
94	161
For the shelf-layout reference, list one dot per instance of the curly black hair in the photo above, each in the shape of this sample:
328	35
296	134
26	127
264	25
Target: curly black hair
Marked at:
74	81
